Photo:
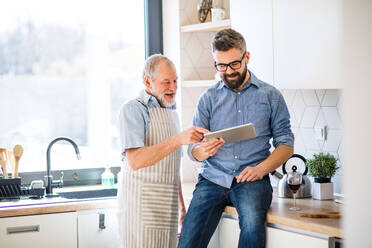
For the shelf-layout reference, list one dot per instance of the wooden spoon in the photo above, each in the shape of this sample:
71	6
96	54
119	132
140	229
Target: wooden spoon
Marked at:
3	161
17	151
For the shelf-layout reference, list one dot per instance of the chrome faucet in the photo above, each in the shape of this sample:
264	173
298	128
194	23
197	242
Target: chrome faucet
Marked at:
50	183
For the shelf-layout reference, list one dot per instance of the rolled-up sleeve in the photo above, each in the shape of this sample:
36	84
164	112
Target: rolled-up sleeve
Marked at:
201	119
132	126
280	123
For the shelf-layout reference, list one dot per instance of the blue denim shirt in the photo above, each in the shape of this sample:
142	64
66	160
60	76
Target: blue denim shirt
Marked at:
259	103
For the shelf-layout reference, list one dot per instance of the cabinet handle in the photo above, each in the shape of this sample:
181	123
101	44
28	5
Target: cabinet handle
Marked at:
22	229
102	221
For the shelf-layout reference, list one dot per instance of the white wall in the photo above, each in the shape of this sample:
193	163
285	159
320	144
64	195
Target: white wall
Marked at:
357	110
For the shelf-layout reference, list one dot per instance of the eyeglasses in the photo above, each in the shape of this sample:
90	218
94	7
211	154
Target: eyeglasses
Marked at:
235	65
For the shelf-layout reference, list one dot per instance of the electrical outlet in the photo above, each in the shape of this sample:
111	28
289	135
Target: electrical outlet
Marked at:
321	133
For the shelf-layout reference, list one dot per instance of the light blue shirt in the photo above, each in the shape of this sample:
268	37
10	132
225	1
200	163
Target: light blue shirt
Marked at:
134	121
259	103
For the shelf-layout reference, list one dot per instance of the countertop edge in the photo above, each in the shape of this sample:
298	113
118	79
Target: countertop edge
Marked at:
57	208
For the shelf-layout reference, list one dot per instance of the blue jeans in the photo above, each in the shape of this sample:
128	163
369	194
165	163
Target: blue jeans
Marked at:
251	200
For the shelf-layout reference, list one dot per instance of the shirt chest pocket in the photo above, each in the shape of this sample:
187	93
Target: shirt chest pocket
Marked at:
258	114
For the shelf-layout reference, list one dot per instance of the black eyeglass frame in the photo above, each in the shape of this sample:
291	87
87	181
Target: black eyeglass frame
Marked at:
230	64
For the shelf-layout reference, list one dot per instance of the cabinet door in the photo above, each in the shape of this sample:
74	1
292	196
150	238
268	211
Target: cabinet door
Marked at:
229	232
39	231
277	238
98	228
307	43
253	19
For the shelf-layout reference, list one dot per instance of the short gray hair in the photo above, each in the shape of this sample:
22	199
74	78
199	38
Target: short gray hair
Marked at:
227	39
151	65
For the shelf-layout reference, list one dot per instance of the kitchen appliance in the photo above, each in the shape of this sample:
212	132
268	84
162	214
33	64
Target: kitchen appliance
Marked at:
294	163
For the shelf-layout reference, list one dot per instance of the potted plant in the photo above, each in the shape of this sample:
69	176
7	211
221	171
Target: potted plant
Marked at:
322	167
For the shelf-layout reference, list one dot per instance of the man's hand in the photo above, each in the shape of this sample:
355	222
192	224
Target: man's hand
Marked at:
212	146
191	136
250	174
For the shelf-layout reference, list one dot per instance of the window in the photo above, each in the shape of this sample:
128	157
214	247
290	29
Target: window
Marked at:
66	67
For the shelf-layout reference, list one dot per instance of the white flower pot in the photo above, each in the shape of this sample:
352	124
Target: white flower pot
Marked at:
323	191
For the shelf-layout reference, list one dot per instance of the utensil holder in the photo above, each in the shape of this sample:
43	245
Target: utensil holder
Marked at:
10	187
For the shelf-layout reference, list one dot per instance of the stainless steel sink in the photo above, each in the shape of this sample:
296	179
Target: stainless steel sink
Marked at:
102	193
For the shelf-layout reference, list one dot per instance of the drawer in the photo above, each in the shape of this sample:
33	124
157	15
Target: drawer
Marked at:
48	230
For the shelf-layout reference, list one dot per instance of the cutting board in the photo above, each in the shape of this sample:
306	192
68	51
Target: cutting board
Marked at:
332	215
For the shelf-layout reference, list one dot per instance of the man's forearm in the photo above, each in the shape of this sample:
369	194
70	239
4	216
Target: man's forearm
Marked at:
281	154
149	155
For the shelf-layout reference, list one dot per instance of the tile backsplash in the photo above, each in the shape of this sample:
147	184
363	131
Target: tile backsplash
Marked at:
309	109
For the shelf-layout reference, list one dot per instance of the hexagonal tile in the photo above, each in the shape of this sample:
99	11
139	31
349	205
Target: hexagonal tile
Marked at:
298	106
194	49
310	98
299	146
309	117
332	117
330	98
333	140
320	95
309	139
293	120
289	96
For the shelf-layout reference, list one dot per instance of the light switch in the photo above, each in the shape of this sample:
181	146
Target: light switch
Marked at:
321	133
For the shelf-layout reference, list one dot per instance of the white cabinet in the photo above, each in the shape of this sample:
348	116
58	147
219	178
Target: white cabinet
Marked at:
98	228
39	231
253	19
276	237
229	232
294	43
307	43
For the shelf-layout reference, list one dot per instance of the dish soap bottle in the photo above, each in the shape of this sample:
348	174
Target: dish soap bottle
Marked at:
107	178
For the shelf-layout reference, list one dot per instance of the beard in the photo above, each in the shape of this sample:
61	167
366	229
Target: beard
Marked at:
161	97
235	83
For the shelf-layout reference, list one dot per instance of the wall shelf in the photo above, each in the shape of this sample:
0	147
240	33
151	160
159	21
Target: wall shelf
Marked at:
198	83
207	26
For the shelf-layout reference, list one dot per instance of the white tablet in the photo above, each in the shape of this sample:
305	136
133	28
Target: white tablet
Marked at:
233	134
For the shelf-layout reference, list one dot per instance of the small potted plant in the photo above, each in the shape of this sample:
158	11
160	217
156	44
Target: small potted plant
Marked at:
322	167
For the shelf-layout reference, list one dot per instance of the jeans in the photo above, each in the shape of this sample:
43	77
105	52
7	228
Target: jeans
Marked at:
251	200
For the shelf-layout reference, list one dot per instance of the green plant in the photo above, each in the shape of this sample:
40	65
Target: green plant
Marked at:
322	165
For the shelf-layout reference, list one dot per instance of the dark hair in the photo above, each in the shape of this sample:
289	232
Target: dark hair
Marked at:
226	39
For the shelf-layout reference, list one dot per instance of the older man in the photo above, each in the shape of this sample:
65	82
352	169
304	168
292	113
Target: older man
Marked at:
236	173
149	131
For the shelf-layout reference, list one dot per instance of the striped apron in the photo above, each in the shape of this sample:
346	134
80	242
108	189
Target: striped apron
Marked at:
148	197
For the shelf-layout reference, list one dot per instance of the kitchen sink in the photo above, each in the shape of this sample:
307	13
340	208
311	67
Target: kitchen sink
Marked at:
101	193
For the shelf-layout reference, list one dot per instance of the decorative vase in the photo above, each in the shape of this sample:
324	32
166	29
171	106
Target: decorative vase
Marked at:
322	189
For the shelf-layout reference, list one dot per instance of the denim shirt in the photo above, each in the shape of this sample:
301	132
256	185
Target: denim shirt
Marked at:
259	103
134	120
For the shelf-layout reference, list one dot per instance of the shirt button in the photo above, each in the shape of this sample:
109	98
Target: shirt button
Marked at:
234	171
236	156
238	93
239	110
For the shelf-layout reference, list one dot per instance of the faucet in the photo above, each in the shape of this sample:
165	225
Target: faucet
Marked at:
50	183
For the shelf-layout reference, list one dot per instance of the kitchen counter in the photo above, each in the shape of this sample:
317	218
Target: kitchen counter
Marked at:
278	213
56	204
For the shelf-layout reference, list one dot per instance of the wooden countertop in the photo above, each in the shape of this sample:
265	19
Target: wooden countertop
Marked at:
278	213
56	207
